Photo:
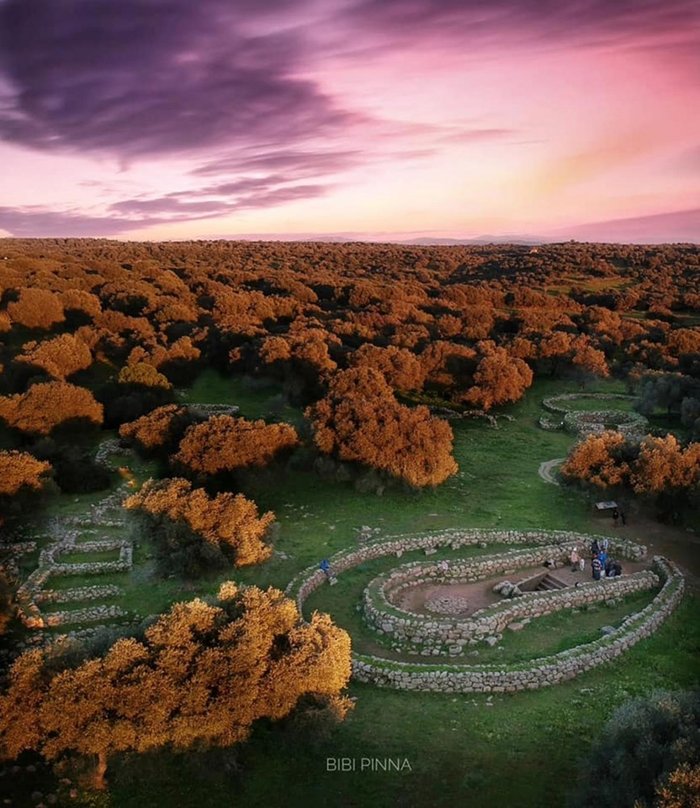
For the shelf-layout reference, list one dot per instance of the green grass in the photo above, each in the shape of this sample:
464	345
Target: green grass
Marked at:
256	398
519	752
522	751
547	635
88	558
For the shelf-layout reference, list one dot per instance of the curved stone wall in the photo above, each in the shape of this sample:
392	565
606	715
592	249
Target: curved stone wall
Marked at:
630	424
501	678
441	636
554	403
542	672
591	422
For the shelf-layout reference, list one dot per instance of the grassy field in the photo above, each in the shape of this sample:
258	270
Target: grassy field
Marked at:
547	635
517	750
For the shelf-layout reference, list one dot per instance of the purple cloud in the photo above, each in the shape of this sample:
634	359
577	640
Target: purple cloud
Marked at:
33	221
144	77
548	21
296	164
658	228
133	214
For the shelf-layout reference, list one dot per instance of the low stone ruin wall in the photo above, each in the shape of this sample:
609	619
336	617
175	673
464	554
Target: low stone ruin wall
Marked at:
557	403
629	424
303	584
440	636
542	672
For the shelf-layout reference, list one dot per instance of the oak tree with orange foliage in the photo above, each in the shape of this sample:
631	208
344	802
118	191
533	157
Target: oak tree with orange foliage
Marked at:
224	443
499	378
36	308
228	523
45	406
20	470
160	428
665	466
201	676
60	356
402	369
598	459
359	420
681	789
143	375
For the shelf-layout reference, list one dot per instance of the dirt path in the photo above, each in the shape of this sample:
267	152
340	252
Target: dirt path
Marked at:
546	470
480	594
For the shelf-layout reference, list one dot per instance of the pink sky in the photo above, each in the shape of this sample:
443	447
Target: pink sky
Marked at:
383	119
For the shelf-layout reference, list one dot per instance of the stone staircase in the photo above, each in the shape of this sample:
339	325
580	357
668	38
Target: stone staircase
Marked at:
549	583
102	529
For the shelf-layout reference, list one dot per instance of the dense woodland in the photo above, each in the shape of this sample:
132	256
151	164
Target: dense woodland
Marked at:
380	344
375	341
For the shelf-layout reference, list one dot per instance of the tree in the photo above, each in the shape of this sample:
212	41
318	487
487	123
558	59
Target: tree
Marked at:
82	303
224	443
587	360
161	428
664	466
228	523
681	789
599	460
359	420
45	406
60	356
36	308
20	470
499	378
143	375
201	676
644	741
402	369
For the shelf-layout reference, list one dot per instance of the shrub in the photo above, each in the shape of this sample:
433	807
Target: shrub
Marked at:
643	742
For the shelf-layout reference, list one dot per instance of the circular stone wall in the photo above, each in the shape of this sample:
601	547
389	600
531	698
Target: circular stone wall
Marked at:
447	635
591	422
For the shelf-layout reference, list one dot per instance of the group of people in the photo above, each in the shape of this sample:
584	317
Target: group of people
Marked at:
602	565
618	513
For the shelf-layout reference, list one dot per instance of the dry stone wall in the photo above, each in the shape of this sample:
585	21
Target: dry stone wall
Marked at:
583	423
415	634
537	673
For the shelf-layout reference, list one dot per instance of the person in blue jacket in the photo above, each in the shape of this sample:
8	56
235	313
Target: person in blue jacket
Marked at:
325	565
603	558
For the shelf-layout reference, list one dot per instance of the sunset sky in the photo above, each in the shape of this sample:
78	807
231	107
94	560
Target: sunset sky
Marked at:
382	119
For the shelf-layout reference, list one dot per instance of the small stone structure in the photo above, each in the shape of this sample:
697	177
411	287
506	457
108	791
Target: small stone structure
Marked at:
80	534
584	423
449	636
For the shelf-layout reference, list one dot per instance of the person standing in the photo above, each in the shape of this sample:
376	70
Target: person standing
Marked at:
615	516
603	559
596	567
575	558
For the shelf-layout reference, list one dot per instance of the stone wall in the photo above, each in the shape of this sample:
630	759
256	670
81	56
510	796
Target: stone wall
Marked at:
537	673
583	422
630	424
554	403
311	578
441	636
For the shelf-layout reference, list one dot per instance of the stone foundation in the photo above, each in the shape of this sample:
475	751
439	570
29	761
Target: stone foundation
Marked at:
434	635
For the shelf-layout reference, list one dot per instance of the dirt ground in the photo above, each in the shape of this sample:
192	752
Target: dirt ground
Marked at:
479	594
676	543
